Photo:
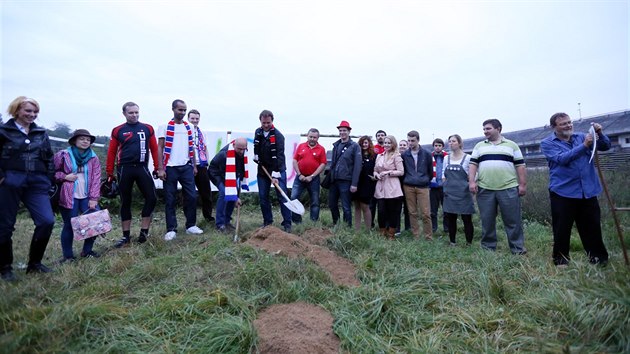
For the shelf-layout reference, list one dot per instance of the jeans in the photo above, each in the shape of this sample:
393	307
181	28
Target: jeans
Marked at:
32	190
313	193
224	208
264	187
340	189
509	203
79	206
185	176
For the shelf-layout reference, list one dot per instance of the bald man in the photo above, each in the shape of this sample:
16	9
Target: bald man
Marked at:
216	169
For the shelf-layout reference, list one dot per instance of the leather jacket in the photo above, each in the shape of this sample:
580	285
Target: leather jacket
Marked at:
26	153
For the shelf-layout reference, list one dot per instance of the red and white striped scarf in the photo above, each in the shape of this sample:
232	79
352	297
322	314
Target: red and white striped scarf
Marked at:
231	183
168	141
444	154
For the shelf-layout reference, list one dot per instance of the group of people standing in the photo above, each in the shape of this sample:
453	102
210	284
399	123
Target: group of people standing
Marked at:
387	175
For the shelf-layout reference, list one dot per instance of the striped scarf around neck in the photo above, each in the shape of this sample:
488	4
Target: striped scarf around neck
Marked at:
168	141
231	179
201	148
444	154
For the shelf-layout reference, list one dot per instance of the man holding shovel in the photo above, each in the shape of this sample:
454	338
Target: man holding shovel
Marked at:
269	155
227	169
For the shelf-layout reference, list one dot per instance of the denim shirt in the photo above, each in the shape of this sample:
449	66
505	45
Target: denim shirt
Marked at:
570	173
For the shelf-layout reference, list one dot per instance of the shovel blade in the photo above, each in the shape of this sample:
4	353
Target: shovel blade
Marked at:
295	206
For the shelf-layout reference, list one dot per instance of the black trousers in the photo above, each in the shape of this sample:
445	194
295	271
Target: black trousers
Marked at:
389	212
469	229
202	181
586	215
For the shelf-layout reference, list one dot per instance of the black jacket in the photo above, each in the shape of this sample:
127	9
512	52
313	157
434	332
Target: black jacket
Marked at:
266	157
27	153
418	175
346	162
216	168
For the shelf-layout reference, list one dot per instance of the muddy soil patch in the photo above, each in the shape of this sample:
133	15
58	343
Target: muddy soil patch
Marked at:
276	241
296	328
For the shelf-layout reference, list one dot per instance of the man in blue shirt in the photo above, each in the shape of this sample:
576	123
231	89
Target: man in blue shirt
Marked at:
573	189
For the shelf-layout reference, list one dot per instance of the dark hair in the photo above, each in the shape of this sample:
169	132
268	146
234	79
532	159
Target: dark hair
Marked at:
439	141
557	116
174	104
495	123
194	111
313	130
265	114
129	104
380	131
370	149
414	134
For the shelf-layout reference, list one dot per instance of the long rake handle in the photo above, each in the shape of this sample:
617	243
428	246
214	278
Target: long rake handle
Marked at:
611	204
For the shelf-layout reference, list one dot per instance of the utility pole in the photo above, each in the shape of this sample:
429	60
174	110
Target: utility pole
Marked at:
580	110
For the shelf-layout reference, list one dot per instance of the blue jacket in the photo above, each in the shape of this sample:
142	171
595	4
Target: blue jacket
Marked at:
419	175
570	173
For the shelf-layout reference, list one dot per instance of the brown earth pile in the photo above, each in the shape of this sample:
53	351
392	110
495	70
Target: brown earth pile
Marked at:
296	328
276	241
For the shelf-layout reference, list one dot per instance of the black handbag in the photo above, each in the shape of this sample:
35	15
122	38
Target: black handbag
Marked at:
327	181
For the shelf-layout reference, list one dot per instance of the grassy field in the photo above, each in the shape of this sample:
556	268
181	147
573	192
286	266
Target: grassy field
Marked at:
202	293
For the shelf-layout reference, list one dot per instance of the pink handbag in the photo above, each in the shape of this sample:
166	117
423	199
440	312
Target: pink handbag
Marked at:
91	224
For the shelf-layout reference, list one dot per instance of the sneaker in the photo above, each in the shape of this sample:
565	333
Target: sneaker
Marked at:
37	268
453	244
230	227
90	254
142	238
170	235
193	230
8	275
287	229
210	219
222	229
122	242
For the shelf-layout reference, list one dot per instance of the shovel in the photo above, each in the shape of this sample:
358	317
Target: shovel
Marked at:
238	221
293	205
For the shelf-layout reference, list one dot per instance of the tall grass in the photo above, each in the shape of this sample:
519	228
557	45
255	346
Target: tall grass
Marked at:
202	294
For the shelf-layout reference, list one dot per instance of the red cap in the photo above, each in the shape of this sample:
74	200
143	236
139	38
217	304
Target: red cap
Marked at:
344	124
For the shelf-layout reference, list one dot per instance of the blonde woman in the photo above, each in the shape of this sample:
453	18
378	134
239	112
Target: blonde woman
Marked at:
387	170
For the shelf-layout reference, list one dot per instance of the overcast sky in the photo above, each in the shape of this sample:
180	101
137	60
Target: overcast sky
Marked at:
439	67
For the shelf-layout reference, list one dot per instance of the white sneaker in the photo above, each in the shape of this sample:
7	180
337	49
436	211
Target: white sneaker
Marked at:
170	235
194	230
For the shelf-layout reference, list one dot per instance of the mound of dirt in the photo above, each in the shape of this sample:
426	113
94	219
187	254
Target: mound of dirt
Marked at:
276	241
296	328
317	236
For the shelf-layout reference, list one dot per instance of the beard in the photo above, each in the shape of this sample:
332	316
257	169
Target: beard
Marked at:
566	133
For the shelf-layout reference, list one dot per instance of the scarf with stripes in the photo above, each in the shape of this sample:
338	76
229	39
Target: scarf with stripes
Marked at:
434	179
201	148
170	135
231	180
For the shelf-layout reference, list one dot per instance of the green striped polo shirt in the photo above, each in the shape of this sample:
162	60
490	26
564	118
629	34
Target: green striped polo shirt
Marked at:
496	164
